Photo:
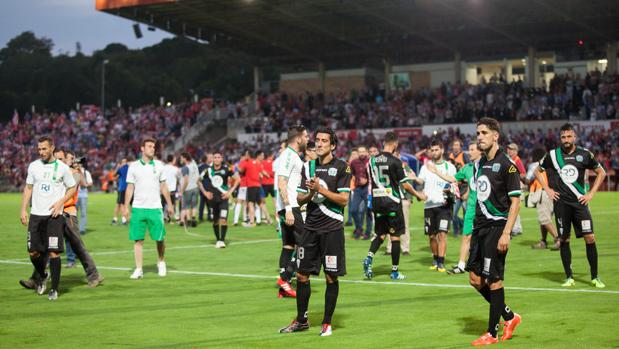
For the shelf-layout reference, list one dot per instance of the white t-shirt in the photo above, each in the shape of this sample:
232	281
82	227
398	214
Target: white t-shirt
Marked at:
289	165
191	170
172	174
146	178
83	191
434	185
49	184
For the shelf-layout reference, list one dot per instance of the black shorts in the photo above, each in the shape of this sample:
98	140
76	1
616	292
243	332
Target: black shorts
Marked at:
326	249
291	234
391	223
484	257
253	194
120	197
437	219
269	189
577	215
218	209
46	234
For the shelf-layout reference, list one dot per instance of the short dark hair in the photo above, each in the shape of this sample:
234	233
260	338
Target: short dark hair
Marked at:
170	158
330	132
69	152
217	152
437	143
294	132
391	137
490	123
148	140
311	144
187	156
59	150
47	139
567	127
537	154
257	153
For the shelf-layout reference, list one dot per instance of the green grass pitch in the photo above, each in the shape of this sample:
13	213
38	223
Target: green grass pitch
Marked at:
227	298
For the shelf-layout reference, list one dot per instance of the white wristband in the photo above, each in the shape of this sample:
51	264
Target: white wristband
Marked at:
288	208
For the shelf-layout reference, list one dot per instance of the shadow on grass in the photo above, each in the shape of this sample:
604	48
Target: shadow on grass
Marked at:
473	326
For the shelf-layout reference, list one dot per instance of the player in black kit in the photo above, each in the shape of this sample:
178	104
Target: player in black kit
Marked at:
498	202
386	173
566	167
325	187
217	193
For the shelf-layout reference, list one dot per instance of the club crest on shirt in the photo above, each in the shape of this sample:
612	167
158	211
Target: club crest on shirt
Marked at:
496	167
332	172
579	158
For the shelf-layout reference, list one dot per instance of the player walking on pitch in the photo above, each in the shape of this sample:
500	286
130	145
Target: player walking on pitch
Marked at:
146	180
386	174
498	201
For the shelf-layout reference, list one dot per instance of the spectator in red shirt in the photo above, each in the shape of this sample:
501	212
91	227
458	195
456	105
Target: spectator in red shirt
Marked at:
268	178
241	197
267	182
512	151
251	168
359	204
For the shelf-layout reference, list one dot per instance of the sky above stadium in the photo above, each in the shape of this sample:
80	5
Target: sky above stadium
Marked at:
67	22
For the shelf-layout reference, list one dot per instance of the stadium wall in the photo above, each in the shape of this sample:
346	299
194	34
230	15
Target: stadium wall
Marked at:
336	81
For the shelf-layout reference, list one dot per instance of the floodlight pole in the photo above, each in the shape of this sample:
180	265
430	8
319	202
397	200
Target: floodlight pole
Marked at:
103	64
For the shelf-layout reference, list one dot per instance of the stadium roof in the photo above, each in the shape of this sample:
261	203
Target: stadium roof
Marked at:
350	33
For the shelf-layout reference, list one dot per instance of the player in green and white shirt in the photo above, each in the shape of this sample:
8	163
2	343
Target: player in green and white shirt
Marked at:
146	183
465	174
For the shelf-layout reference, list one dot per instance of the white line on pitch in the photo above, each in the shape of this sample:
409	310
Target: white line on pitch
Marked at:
184	247
364	282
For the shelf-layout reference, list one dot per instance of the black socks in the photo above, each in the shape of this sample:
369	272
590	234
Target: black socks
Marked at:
395	255
223	231
497	305
284	260
54	268
304	292
507	313
592	256
566	258
216	230
330	300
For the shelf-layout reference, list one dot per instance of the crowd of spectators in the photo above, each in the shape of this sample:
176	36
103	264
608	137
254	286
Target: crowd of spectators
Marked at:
103	140
100	140
592	97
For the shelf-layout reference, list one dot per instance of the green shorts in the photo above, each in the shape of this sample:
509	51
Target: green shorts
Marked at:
142	218
469	217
